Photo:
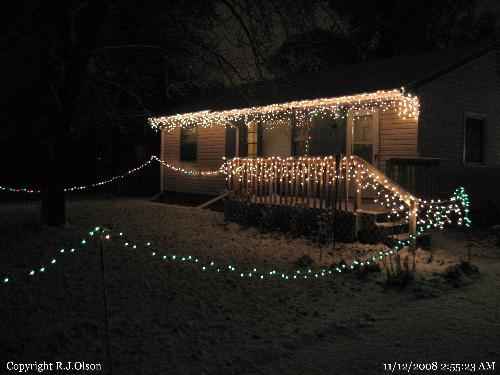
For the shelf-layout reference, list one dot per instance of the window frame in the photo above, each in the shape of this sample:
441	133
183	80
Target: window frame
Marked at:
257	133
182	156
474	116
296	140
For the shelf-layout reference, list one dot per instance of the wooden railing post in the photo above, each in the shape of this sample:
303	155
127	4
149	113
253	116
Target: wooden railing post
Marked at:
308	182
413	215
260	177
346	184
321	183
229	174
336	181
314	190
275	182
287	180
297	182
358	200
327	182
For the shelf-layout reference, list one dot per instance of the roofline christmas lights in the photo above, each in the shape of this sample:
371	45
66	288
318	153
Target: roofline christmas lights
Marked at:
405	104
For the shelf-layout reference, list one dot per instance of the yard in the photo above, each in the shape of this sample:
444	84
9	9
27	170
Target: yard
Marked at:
168	317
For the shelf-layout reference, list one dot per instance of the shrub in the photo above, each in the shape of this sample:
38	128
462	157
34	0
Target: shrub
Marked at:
299	220
467	268
270	218
304	261
366	269
398	270
325	231
455	273
342	265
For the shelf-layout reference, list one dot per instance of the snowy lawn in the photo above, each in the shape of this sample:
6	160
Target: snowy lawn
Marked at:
174	319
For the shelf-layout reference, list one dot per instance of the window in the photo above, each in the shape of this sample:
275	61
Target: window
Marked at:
189	144
300	137
232	135
252	139
362	142
474	139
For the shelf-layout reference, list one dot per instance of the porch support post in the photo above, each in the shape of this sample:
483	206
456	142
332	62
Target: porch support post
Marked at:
229	174
357	201
413	224
346	184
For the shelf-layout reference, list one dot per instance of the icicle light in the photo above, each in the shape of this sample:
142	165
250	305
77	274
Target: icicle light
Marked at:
406	106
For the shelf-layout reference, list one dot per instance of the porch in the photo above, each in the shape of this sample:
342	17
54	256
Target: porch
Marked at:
373	207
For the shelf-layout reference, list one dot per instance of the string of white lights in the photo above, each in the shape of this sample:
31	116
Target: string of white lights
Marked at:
406	106
118	177
303	169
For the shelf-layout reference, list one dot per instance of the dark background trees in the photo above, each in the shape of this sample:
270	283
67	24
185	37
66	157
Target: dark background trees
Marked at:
80	78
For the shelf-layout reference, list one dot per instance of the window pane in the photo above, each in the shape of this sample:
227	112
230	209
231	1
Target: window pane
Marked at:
363	151
362	128
189	151
300	148
189	145
474	140
301	128
231	142
190	134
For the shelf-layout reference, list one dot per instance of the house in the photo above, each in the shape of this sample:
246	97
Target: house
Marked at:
420	118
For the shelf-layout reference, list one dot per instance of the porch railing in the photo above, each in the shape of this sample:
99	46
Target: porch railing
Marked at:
332	182
418	175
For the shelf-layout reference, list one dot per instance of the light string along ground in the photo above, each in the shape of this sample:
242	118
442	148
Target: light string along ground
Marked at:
253	272
53	261
204	266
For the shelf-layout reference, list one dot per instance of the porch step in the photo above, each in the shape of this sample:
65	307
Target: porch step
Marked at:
380	216
393	227
423	240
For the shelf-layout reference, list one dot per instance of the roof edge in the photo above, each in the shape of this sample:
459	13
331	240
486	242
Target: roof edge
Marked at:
441	72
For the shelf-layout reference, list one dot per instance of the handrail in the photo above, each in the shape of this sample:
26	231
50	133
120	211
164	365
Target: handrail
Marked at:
386	182
237	166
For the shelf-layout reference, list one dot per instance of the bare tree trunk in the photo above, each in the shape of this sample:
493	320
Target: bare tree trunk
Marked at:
80	27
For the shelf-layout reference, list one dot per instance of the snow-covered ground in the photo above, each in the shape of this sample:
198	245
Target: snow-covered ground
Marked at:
170	318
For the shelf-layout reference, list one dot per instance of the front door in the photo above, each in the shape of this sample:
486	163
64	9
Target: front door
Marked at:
362	136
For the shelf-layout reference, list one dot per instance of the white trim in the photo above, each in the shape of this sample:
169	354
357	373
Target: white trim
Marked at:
375	112
237	140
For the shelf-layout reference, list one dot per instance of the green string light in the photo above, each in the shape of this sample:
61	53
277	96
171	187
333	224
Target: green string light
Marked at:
42	269
459	196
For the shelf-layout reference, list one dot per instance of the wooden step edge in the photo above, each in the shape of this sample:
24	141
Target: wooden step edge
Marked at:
371	212
390	224
406	236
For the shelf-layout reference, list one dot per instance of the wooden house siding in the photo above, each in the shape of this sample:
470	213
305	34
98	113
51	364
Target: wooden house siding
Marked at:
211	150
397	137
473	87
